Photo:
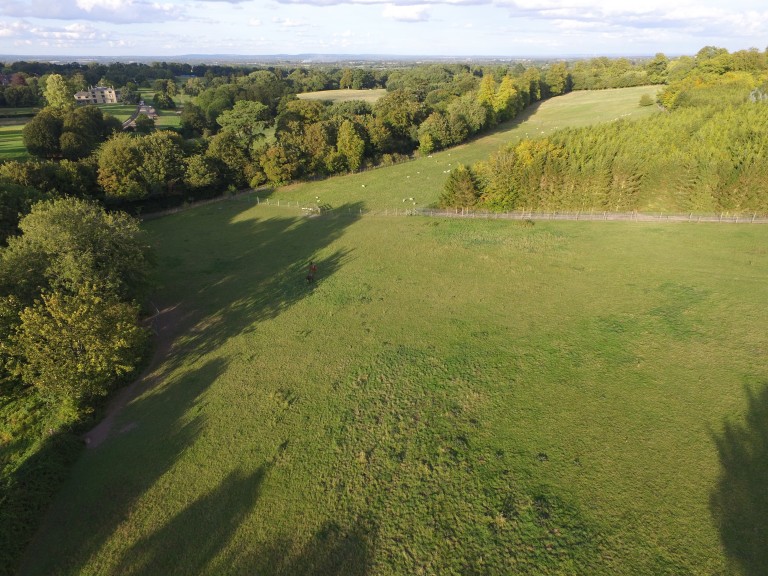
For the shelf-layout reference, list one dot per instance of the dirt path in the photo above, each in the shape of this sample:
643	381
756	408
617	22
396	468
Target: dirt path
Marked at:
166	324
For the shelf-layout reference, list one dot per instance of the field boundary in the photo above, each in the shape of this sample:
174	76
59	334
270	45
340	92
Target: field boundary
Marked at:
310	209
586	216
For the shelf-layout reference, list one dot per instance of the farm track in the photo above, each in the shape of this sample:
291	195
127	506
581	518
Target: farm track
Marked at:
166	325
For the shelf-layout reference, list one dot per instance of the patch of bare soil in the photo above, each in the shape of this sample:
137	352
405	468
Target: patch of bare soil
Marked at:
166	324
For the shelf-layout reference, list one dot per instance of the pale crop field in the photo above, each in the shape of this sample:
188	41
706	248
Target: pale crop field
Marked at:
370	96
450	396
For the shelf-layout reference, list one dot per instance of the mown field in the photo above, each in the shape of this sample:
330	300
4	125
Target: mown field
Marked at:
12	142
370	96
450	397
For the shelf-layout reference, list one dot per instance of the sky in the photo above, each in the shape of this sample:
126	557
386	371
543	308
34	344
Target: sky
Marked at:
507	28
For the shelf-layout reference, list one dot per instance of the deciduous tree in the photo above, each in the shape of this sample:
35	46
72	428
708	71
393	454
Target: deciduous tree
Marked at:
57	93
72	346
41	134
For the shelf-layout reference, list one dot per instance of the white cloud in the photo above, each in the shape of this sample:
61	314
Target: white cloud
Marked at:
289	23
417	13
254	22
89	5
117	11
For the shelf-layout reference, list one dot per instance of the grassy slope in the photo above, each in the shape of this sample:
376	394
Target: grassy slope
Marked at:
452	397
423	178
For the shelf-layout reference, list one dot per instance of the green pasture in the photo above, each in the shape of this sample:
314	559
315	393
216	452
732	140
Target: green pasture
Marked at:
449	397
120	111
423	178
9	112
168	119
370	96
12	142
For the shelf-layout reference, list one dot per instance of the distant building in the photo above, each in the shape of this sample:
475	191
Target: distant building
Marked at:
98	95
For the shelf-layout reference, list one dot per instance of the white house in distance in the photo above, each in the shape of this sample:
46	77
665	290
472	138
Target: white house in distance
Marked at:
98	95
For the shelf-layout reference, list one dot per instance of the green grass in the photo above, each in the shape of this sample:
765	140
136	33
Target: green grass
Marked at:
424	178
168	119
370	96
12	142
9	112
450	397
119	111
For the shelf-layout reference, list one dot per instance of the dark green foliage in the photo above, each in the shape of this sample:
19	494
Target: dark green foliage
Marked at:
461	189
70	242
15	201
42	134
193	120
72	133
162	101
144	124
129	94
68	331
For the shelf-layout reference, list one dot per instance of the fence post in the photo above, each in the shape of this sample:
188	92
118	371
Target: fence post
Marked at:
753	217
257	200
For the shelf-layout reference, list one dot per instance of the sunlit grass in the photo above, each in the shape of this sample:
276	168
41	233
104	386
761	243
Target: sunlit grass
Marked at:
370	96
423	178
12	142
449	397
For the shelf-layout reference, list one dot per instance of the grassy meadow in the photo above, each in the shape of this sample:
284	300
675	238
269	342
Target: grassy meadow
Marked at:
370	96
449	397
423	178
12	142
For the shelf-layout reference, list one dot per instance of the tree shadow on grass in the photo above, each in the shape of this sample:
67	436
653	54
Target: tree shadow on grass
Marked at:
235	273
92	508
739	503
219	513
333	550
255	270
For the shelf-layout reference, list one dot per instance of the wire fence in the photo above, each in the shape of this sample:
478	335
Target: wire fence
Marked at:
315	209
591	215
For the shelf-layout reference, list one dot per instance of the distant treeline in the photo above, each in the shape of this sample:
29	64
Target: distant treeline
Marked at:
707	153
221	141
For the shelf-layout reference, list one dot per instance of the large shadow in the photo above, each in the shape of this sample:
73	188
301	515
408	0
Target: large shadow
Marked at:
257	270
219	513
86	514
333	550
739	503
253	270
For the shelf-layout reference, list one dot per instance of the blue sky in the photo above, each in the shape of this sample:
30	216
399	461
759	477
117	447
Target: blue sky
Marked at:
398	27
